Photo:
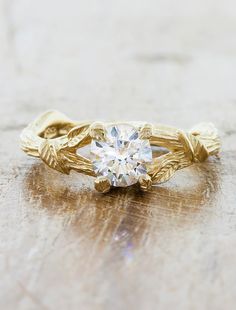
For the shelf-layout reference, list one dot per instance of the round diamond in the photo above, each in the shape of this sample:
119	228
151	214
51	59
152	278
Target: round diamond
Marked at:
122	157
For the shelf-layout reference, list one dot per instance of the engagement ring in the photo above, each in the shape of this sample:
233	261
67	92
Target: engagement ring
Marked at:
121	153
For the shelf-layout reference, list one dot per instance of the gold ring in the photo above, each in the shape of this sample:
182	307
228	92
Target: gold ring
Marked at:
121	153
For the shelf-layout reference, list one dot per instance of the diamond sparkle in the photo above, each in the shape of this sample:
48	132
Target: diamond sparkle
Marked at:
123	156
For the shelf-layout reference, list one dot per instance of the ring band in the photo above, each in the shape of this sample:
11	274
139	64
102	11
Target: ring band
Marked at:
122	154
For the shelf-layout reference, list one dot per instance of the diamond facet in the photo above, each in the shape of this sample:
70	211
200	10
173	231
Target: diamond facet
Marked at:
122	156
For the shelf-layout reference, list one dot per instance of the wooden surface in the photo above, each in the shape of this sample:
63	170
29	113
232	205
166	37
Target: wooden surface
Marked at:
64	246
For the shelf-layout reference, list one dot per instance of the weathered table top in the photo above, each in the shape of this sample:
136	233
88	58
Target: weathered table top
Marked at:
64	246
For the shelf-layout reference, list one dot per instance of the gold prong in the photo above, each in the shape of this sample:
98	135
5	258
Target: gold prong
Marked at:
102	184
97	131
146	131
145	182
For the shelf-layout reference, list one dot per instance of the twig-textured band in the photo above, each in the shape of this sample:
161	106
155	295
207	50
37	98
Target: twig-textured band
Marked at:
56	140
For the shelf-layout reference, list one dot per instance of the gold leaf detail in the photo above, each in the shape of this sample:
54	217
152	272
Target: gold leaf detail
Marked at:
164	168
194	149
79	136
50	154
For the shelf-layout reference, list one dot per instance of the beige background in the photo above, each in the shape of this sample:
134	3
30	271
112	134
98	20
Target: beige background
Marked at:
64	246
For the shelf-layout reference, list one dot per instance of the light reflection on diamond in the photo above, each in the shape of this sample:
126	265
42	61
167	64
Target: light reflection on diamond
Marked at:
123	156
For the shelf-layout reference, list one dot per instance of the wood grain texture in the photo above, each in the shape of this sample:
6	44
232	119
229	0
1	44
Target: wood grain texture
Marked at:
64	246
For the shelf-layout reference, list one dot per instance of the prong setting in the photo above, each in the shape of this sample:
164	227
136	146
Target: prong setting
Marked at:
97	131
146	131
102	184
122	156
145	182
